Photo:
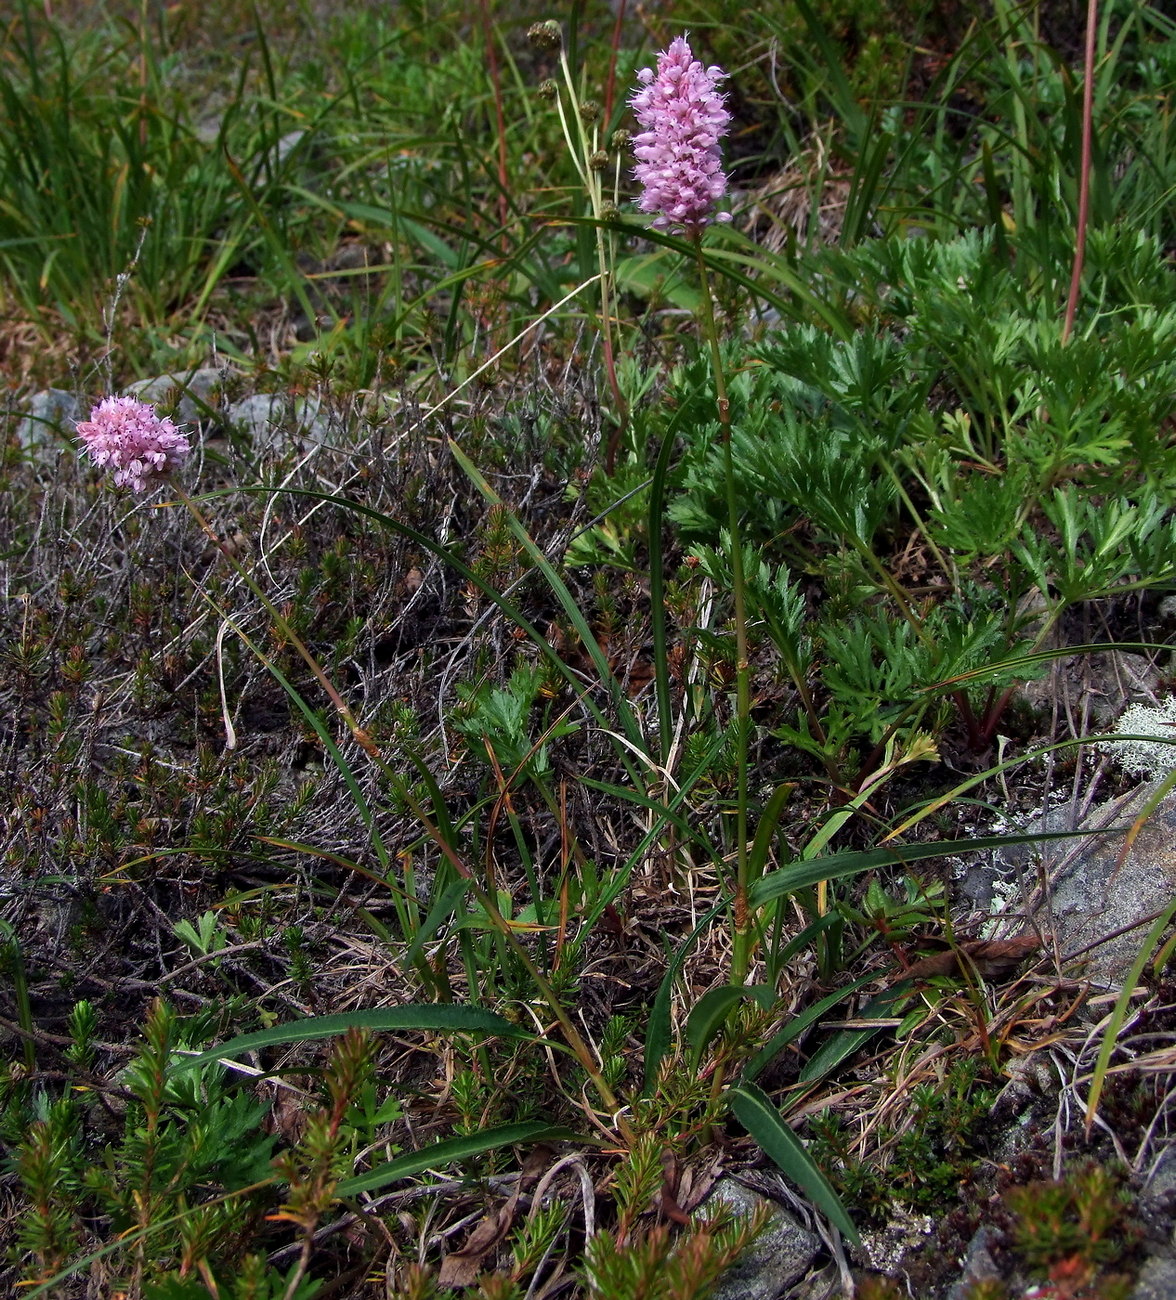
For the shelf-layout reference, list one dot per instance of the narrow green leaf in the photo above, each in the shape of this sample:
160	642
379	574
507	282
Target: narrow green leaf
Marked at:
444	1018
442	908
1027	662
1119	1013
659	1031
754	1110
712	1009
796	1026
452	1150
837	865
645	274
568	602
766	828
844	1044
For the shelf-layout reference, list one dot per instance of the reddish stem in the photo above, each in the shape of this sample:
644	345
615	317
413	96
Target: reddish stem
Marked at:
500	117
1084	169
610	84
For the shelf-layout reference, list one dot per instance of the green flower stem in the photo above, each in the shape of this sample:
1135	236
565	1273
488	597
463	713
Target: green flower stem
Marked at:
581	149
742	930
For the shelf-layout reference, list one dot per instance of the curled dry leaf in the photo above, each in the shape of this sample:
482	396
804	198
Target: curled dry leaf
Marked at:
989	958
461	1267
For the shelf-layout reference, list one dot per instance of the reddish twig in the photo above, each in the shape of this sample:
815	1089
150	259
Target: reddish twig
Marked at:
1084	169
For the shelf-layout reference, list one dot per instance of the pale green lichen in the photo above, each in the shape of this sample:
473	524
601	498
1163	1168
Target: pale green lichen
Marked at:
1156	757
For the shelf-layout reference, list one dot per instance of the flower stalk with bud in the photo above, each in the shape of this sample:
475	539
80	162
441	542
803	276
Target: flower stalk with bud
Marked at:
581	124
683	118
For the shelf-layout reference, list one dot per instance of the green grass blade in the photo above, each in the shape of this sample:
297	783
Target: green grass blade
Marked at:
444	906
1119	1013
765	828
444	1019
838	865
754	1110
451	1151
659	1031
563	595
844	1044
863	197
796	1026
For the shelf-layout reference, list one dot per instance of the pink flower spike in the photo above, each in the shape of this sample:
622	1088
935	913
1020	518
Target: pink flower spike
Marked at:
127	436
683	117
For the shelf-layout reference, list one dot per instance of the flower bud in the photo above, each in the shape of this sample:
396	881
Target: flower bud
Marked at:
546	36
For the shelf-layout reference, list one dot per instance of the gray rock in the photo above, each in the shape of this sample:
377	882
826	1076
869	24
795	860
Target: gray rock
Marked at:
1094	894
266	415
979	1266
197	391
1162	1179
1157	1280
780	1254
1100	684
50	412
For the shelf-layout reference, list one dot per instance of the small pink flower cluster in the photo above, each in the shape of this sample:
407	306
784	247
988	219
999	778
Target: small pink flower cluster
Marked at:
682	117
127	436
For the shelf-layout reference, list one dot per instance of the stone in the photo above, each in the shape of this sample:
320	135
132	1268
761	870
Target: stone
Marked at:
1094	895
1157	1280
1101	684
51	411
1161	1181
265	415
780	1255
978	1265
197	389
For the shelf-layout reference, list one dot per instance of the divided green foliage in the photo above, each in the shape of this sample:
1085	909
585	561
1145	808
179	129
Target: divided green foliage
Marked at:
180	1182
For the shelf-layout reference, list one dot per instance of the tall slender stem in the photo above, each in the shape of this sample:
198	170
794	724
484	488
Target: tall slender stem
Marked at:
742	933
582	150
1084	170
